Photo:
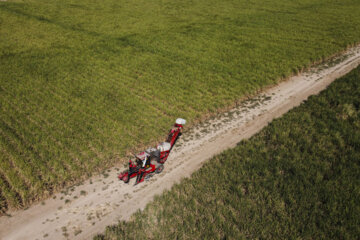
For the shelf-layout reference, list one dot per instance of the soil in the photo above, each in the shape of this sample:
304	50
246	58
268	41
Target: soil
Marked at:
83	211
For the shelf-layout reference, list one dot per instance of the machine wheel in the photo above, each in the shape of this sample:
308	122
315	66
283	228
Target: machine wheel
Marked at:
126	179
159	169
161	161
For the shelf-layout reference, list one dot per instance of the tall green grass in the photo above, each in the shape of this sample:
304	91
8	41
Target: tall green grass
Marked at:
296	179
83	82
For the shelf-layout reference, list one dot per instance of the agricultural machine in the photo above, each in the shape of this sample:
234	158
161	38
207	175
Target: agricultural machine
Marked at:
152	160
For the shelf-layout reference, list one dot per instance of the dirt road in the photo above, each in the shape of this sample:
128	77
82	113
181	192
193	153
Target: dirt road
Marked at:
86	210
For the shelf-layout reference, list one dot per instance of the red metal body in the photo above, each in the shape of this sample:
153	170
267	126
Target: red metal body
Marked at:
154	165
140	173
164	156
173	136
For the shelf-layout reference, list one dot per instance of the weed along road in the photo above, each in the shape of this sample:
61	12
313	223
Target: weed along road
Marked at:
85	210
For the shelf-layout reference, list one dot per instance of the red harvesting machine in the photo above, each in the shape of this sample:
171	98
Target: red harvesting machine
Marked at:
152	160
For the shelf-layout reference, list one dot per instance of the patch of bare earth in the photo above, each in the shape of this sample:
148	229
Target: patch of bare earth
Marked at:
83	211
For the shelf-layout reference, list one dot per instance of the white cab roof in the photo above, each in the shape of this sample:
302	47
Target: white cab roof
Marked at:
164	146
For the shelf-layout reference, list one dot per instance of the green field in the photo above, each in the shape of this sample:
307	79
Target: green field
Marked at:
296	179
84	82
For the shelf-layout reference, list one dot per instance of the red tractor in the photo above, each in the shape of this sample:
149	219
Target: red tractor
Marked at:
152	159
